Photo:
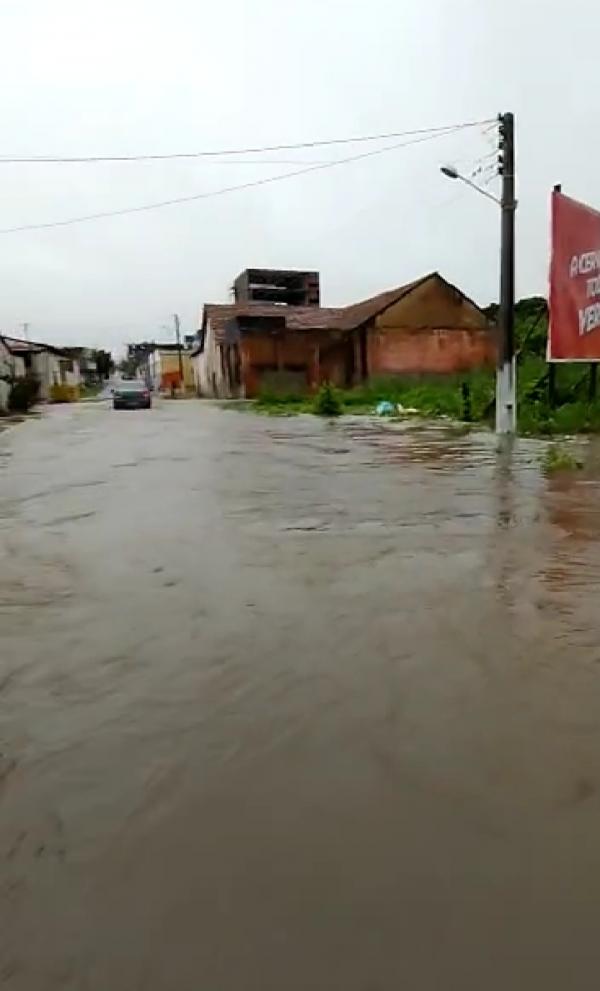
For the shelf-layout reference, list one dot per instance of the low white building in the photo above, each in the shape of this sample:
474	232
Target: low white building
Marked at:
49	365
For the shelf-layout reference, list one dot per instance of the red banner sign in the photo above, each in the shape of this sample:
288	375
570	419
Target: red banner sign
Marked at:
574	328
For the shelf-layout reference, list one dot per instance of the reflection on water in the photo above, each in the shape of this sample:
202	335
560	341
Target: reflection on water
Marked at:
290	704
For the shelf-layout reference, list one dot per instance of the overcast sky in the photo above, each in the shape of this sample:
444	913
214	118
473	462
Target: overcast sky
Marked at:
141	76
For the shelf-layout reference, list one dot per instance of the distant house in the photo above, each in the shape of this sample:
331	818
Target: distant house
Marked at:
425	327
48	364
86	361
162	368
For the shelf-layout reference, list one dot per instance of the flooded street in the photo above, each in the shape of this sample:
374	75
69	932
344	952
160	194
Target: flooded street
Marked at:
290	705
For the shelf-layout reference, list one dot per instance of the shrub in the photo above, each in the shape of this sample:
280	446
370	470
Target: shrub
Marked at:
327	401
23	394
557	458
64	393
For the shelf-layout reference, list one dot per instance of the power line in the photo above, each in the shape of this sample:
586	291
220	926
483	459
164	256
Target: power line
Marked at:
228	189
218	192
72	159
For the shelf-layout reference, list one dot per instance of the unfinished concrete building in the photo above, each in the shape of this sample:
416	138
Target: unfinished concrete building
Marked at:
279	286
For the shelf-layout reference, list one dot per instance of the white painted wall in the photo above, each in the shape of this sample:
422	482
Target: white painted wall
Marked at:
47	368
11	367
5	373
154	369
207	366
72	377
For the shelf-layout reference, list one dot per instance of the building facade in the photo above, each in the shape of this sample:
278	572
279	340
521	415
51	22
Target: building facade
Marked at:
50	366
427	327
163	369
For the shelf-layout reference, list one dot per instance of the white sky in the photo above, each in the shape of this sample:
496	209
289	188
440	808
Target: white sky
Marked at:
133	76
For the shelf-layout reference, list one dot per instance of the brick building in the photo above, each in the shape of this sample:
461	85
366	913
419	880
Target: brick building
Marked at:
423	328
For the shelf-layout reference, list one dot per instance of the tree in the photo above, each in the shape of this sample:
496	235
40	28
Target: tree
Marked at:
104	363
531	323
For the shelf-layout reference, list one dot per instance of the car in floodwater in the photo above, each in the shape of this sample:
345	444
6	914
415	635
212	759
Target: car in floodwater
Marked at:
131	395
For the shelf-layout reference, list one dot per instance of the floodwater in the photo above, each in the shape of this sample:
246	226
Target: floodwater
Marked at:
295	706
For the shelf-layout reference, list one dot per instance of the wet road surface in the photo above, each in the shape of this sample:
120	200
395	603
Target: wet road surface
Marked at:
287	705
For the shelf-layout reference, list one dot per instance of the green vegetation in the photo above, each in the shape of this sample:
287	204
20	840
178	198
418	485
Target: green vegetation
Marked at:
327	401
105	365
558	458
282	404
435	397
567	409
431	397
23	394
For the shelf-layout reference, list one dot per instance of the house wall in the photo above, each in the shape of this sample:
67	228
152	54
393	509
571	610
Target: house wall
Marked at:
11	366
163	367
46	367
295	362
207	369
207	373
6	372
428	351
433	331
71	376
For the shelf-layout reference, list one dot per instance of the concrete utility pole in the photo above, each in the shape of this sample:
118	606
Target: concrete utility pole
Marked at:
178	339
506	373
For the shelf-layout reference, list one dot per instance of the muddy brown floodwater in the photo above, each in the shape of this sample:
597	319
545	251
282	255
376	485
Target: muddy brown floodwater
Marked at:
294	706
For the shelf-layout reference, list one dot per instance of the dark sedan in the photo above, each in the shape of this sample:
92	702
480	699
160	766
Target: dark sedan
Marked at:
131	395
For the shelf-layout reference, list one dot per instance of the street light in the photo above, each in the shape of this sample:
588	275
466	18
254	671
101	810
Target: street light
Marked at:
506	373
452	173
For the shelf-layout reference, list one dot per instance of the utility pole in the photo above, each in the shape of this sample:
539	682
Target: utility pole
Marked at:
506	397
178	339
25	331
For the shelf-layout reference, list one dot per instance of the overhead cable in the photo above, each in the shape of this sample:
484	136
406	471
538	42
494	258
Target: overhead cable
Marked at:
228	189
73	159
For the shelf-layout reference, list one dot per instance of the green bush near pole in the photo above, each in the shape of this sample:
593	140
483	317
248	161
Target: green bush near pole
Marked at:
327	401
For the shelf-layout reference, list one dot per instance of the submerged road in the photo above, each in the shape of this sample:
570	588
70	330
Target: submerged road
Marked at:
292	706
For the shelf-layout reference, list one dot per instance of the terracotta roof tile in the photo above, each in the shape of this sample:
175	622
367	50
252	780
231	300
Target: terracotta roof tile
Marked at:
300	318
308	317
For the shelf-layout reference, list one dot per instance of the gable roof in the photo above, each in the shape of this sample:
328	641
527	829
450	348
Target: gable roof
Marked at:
344	318
16	346
358	313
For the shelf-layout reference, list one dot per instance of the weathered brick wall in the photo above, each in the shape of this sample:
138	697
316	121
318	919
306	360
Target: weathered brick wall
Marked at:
433	330
437	351
264	354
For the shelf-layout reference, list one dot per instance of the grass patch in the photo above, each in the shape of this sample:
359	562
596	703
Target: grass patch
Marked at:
462	398
433	397
558	458
282	404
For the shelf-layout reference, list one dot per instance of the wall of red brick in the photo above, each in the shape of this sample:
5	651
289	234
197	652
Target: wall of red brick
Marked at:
433	330
424	351
264	355
303	358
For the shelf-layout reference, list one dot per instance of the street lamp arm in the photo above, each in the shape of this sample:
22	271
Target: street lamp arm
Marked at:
452	173
483	192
